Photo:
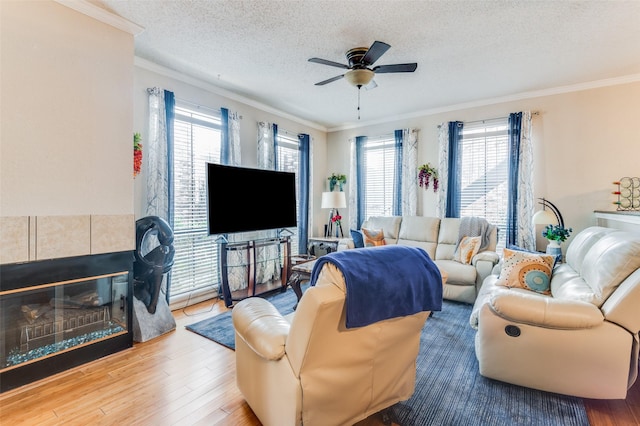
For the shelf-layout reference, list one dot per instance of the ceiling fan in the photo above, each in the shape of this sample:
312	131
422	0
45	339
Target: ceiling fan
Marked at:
360	61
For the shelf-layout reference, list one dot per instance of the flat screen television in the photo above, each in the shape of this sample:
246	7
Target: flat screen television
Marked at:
241	199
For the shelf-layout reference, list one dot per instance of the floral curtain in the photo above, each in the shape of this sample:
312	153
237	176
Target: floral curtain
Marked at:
409	188
230	144
267	258
159	152
156	156
237	267
443	169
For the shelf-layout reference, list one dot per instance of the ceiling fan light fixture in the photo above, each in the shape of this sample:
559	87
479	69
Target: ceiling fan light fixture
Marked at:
359	76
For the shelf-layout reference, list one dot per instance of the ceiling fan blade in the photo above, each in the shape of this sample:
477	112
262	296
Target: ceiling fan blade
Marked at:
322	83
326	62
383	69
376	50
372	85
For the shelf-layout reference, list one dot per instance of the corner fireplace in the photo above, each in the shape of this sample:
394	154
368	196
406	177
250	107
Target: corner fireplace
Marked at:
59	313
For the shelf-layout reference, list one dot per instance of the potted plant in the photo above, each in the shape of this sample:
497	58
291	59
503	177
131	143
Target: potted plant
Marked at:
556	234
336	179
425	174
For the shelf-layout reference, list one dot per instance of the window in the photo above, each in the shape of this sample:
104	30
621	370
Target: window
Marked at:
194	275
484	173
288	160
378	187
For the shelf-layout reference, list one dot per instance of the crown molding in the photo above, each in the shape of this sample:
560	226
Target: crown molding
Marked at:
167	72
102	15
632	78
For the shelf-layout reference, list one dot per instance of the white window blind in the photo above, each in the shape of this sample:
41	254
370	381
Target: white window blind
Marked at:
196	142
289	161
484	171
379	176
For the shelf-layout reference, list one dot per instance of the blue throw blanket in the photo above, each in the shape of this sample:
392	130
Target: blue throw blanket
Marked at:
385	282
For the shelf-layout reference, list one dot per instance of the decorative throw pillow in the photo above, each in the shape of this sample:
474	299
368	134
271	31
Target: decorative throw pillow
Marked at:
526	270
467	248
358	239
373	237
517	248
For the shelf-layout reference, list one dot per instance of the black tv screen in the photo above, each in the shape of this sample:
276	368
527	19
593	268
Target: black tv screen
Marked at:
241	199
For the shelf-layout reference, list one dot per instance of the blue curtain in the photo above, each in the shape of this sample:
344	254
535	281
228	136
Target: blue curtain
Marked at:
224	136
303	181
275	146
515	126
169	108
453	184
360	141
397	185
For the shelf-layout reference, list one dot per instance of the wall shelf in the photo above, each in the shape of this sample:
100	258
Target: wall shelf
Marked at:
623	220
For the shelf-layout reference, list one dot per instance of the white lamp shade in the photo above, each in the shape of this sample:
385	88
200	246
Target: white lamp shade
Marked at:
545	217
333	200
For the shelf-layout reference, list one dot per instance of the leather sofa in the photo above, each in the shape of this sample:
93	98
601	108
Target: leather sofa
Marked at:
315	371
580	340
439	238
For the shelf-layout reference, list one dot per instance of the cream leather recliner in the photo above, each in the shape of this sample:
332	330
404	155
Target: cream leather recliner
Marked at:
315	371
582	339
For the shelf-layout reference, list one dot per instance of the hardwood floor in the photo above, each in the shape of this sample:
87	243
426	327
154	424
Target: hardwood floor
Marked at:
181	378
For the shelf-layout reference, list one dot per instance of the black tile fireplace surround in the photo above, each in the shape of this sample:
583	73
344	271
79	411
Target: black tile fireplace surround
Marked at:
60	313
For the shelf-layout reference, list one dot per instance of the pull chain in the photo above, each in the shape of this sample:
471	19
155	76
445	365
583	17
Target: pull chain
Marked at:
359	86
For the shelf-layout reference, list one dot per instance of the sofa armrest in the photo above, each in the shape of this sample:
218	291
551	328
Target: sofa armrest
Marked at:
261	326
345	244
540	310
486	256
484	263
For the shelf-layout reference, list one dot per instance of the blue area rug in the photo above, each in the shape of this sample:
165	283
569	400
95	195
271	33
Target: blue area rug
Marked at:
449	389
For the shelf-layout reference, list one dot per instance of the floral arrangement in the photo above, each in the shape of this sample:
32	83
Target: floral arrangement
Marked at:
336	219
137	154
556	233
336	179
426	173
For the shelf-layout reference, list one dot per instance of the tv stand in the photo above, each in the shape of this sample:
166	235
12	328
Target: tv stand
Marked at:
254	288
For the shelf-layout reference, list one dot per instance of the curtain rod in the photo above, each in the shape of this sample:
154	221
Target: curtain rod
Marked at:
155	90
492	119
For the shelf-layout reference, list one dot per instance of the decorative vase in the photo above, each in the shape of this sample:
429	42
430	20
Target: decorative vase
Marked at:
332	184
554	249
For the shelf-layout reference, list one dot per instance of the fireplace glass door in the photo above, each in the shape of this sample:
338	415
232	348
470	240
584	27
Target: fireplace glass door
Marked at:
45	320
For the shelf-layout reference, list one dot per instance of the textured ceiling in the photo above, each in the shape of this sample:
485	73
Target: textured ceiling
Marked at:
467	51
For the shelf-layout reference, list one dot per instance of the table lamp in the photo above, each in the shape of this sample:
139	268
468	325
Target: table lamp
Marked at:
333	201
548	217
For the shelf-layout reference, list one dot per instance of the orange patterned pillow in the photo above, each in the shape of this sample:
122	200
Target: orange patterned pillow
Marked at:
526	270
467	248
373	237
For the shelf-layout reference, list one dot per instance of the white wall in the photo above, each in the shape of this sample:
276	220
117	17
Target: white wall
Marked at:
583	141
191	90
67	113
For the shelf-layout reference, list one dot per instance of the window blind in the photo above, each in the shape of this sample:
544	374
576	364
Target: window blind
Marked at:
485	172
196	142
379	176
289	161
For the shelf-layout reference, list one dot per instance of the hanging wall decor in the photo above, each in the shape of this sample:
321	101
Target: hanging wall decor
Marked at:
137	154
427	174
628	193
336	179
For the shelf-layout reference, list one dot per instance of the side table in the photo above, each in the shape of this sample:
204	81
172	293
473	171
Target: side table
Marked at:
299	273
